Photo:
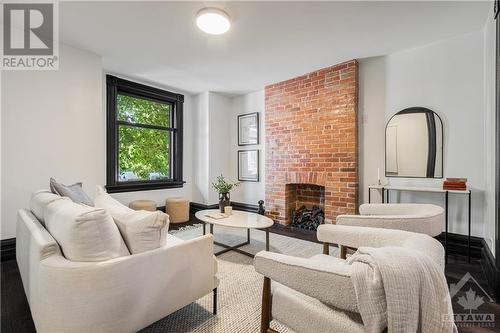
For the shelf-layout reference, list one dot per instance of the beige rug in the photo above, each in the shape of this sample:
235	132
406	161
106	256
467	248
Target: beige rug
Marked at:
239	291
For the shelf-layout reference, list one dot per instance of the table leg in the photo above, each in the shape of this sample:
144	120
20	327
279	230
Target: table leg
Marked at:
369	195
387	196
383	192
468	238
211	228
267	239
248	235
446	227
204	228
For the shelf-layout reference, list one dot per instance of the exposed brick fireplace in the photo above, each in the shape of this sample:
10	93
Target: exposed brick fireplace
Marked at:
311	143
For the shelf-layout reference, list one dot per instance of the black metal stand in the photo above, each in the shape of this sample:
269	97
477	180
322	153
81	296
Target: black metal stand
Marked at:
235	248
446	197
446	227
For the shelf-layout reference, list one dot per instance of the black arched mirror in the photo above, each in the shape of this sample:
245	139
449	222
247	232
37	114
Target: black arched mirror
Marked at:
414	144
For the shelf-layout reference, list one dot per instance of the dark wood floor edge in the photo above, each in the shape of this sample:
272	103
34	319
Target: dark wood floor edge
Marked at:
490	270
7	249
457	244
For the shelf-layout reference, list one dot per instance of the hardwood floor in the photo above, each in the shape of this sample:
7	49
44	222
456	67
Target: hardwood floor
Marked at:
16	316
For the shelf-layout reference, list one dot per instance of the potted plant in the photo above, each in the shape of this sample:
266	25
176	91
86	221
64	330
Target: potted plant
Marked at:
224	189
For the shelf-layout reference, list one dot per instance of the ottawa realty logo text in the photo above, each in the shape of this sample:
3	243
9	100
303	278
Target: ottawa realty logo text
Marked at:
30	36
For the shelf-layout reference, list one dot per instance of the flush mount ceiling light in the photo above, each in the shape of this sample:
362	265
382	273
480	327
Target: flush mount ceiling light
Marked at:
213	21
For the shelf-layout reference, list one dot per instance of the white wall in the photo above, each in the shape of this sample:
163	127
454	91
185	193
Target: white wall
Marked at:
248	192
446	77
219	143
489	120
371	124
200	187
53	125
216	145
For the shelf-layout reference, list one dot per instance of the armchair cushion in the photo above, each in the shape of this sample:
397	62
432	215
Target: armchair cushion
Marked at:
305	314
321	277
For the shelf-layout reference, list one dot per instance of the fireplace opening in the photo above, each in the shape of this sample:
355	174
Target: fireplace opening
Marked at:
305	204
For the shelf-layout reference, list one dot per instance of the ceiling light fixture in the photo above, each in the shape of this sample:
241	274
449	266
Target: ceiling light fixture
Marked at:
213	21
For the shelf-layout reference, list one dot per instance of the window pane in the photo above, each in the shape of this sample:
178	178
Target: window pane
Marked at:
144	154
143	111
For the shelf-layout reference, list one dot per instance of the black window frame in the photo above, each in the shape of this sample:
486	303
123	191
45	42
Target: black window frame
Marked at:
116	86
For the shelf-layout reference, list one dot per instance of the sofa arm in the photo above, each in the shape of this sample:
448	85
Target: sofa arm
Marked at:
308	277
123	294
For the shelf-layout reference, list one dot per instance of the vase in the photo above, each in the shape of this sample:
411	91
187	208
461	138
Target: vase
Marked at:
224	200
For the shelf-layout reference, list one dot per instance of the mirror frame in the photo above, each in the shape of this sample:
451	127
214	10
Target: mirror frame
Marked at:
432	142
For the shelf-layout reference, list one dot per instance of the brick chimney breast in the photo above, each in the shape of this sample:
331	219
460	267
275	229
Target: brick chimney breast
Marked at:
311	138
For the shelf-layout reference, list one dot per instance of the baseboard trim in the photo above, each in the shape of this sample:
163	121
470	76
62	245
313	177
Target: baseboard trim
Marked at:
7	249
194	207
490	270
457	244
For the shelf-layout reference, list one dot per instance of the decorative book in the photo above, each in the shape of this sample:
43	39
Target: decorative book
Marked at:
216	216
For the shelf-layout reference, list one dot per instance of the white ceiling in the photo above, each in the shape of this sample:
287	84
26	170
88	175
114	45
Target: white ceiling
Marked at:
268	42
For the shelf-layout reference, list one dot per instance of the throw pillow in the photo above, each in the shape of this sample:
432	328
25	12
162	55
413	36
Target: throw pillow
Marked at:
84	233
39	202
142	230
74	192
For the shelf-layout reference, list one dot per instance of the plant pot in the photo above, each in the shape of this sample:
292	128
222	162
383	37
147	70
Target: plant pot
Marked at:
224	200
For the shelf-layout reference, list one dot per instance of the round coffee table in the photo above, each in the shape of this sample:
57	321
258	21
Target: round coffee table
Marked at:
238	219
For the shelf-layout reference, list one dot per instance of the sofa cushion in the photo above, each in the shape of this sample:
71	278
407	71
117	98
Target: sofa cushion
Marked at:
74	192
39	201
142	230
84	233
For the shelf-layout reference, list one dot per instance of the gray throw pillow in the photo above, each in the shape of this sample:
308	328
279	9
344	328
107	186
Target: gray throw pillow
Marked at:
74	192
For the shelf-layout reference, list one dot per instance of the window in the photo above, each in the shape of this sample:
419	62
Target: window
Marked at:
144	137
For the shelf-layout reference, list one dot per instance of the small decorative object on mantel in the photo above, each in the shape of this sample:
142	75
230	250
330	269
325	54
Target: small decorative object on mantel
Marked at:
262	209
457	184
224	189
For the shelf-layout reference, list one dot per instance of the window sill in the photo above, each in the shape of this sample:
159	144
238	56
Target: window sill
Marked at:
131	187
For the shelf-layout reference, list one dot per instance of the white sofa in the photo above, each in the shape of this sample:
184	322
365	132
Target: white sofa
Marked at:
421	218
316	294
124	294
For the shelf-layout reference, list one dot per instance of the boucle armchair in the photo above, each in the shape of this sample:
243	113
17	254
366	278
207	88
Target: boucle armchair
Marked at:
317	294
421	218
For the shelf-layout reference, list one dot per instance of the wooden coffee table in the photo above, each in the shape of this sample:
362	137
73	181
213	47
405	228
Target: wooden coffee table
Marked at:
239	219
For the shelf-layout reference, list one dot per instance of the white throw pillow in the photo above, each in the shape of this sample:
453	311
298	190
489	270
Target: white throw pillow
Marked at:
39	202
142	230
84	233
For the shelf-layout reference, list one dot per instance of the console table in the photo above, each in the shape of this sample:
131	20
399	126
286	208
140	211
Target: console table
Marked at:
385	192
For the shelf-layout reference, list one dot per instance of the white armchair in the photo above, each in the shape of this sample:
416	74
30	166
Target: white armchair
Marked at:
421	218
317	294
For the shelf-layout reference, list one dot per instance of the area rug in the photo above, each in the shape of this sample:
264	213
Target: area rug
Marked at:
240	288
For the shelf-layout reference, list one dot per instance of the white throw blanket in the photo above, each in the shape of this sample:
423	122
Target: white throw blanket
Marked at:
401	290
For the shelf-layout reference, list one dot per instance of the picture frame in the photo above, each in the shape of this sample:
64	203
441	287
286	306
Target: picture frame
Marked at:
248	129
248	165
